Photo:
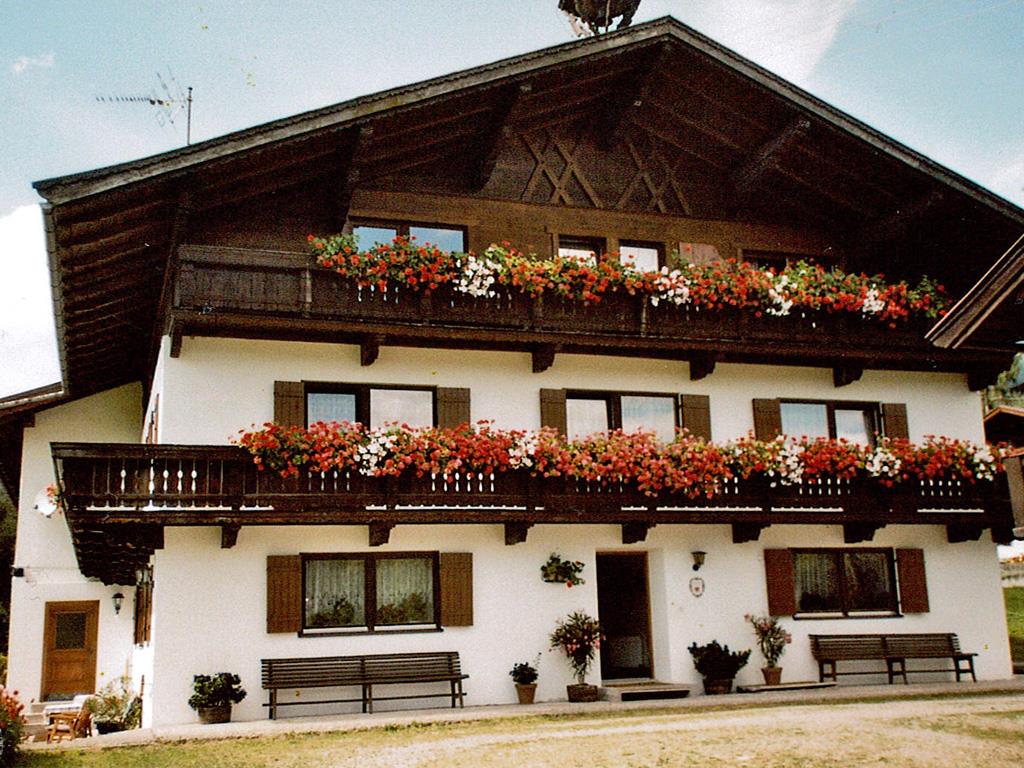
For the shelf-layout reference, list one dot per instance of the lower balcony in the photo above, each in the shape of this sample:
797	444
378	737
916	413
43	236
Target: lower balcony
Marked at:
118	497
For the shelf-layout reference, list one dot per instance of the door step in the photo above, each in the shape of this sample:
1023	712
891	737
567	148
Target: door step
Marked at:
808	685
650	691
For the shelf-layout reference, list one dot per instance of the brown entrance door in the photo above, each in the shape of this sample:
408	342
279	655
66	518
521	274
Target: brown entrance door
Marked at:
623	605
69	651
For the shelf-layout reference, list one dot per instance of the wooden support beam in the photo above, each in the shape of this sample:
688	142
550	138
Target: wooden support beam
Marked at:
369	349
515	533
543	357
229	535
1003	534
982	376
744	532
634	533
176	334
499	131
380	533
846	374
958	532
752	171
348	170
629	96
701	366
854	533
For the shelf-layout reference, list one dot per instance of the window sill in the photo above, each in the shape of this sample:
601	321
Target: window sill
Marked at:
831	616
363	632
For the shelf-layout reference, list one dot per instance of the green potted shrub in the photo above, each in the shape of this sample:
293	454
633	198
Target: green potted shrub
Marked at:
524	675
718	665
116	707
578	636
213	695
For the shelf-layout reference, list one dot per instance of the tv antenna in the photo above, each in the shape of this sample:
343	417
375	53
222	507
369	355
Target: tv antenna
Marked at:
168	100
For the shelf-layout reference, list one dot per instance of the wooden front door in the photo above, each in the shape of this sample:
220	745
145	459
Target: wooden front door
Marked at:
623	604
69	651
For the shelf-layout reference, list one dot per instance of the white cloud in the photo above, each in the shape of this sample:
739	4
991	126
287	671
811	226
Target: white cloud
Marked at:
44	61
788	37
28	349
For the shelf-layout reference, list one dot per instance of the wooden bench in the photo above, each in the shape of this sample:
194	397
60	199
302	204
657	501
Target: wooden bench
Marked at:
366	672
893	649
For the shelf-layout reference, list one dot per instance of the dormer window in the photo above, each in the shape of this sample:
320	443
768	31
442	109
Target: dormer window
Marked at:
643	257
585	250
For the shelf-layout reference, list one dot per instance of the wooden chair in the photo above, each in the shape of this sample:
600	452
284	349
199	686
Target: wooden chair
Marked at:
70	724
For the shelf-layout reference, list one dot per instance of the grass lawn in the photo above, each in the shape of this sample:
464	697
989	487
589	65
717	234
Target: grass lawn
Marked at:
983	731
1015	618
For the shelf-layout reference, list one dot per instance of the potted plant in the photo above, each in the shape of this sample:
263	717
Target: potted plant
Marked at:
524	675
213	695
116	707
559	571
578	636
772	639
718	665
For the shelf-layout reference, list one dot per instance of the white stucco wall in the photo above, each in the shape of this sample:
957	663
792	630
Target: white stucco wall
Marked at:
43	547
219	386
210	605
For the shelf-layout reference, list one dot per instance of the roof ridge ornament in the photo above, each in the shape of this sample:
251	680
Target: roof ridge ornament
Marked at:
587	17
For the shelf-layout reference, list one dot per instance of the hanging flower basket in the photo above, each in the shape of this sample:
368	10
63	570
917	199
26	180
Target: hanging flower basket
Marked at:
559	571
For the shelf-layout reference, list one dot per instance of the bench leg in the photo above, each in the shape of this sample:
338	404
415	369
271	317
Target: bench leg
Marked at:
462	703
368	699
822	674
897	667
273	704
958	662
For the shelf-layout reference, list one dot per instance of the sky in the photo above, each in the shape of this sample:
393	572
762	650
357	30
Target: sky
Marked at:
945	77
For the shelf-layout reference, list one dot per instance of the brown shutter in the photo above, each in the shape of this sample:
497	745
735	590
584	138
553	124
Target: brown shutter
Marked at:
289	403
697	415
143	612
284	593
894	420
452	406
778	571
1015	483
767	419
913	586
456	589
552	409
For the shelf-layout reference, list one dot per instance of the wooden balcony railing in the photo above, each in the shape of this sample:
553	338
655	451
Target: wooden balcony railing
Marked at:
220	291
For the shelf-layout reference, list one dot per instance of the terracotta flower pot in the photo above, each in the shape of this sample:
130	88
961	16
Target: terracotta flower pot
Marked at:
717	687
582	692
526	692
772	675
219	714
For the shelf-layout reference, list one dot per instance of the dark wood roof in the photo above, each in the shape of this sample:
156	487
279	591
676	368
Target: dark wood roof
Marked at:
762	149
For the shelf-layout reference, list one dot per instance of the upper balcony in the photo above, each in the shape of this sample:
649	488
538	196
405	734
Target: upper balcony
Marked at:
245	293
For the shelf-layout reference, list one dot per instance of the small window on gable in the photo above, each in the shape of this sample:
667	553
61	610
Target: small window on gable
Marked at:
448	239
643	257
586	250
856	422
589	413
375	406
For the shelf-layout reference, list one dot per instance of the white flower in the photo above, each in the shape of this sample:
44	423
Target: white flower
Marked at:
781	305
671	287
477	276
872	304
882	463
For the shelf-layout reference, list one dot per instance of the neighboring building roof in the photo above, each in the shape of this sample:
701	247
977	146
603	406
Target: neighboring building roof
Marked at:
15	410
1005	424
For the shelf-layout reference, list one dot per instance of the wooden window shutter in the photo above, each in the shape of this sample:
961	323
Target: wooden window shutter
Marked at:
552	409
894	420
456	589
284	593
143	612
696	412
767	419
913	586
289	403
778	571
452	406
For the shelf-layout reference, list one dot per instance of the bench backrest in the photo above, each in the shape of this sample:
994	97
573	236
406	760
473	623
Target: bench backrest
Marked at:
847	647
922	645
322	671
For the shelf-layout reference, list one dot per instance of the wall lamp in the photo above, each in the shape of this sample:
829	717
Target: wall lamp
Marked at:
698	559
118	599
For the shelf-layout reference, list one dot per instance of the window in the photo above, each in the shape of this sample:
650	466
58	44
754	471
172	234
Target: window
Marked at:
372	405
698	253
643	257
856	422
844	581
777	260
450	239
370	591
589	412
583	249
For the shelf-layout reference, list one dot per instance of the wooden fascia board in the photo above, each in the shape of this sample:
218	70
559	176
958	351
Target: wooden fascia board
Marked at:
1001	280
57	292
